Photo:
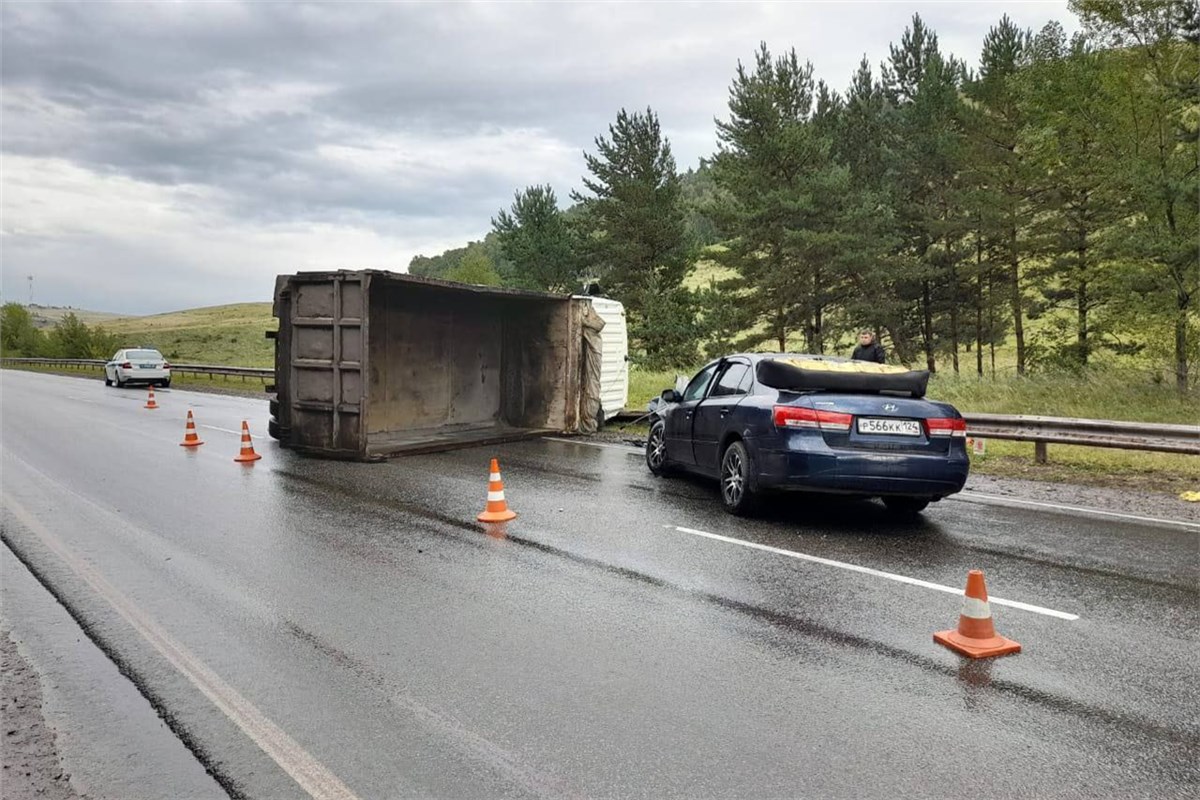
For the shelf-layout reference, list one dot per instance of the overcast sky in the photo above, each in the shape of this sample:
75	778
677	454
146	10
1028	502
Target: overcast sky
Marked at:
164	156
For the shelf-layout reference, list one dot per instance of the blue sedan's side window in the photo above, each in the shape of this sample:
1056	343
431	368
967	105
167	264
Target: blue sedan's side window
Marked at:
695	389
732	381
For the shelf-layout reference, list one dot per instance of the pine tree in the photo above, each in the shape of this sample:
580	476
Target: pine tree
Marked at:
1065	109
633	236
535	238
786	197
632	209
924	85
867	143
1002	170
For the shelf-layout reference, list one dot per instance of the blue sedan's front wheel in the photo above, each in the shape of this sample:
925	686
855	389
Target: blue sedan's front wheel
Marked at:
737	491
656	448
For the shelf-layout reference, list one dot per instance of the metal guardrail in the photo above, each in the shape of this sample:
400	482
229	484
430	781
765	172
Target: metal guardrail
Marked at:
1042	431
263	373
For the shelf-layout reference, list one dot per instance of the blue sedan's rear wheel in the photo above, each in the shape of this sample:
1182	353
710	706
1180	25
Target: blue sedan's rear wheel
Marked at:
656	449
737	490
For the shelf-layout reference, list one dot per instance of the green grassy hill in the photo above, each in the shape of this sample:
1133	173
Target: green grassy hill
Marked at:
231	335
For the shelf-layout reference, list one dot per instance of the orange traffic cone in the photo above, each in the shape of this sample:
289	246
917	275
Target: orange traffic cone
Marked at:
976	637
247	455
190	438
497	508
150	400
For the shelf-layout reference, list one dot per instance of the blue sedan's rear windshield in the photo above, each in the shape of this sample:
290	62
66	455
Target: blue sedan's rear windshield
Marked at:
143	355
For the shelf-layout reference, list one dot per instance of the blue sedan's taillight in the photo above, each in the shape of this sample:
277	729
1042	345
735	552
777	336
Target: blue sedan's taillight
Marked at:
946	427
799	417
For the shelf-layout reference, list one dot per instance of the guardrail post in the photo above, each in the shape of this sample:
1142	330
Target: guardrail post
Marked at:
1039	452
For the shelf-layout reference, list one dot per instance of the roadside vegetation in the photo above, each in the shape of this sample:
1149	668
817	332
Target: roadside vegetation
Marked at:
233	335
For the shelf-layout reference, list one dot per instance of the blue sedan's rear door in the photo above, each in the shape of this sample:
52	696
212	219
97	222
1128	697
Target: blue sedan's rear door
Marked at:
713	415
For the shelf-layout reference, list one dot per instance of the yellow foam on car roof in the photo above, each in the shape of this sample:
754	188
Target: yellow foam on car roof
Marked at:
856	367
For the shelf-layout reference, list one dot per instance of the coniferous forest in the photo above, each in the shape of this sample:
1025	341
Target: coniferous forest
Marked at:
1041	202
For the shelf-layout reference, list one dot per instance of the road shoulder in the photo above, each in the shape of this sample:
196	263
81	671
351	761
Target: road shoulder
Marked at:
1135	502
78	727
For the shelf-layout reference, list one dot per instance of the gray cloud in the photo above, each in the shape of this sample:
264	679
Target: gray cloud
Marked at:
192	150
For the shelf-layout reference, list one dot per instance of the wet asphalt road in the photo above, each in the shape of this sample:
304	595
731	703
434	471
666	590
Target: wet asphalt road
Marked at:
592	648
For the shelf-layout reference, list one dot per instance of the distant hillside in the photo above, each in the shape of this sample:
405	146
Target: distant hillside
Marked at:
230	335
48	316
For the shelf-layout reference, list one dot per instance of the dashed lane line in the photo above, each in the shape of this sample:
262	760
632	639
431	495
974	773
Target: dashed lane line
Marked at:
877	573
222	430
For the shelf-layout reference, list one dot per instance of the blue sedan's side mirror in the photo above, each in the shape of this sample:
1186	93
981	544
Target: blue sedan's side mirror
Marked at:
672	396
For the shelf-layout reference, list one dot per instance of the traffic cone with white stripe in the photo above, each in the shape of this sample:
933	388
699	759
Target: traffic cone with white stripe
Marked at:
150	400
190	437
247	455
976	636
497	509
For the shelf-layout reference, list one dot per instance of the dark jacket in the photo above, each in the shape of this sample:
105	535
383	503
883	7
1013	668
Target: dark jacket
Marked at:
872	352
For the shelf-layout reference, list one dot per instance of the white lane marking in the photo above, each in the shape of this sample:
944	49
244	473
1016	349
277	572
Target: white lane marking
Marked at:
891	576
1000	500
966	497
222	430
310	774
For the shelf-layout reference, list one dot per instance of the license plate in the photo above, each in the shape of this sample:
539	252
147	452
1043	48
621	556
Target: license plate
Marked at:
890	427
147	366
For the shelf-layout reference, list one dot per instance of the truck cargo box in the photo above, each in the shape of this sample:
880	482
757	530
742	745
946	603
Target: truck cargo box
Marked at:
370	364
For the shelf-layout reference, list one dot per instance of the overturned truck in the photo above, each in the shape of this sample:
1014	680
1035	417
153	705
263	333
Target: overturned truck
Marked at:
371	364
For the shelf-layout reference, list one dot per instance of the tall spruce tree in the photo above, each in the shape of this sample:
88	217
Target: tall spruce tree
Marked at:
634	237
867	143
1065	109
924	85
786	196
632	207
1002	169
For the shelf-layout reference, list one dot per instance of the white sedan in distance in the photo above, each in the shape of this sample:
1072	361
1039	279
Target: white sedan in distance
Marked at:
137	365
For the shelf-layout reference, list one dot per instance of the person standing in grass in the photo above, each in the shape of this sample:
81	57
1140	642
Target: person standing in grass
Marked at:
868	349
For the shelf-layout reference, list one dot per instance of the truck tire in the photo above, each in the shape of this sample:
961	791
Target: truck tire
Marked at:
273	428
